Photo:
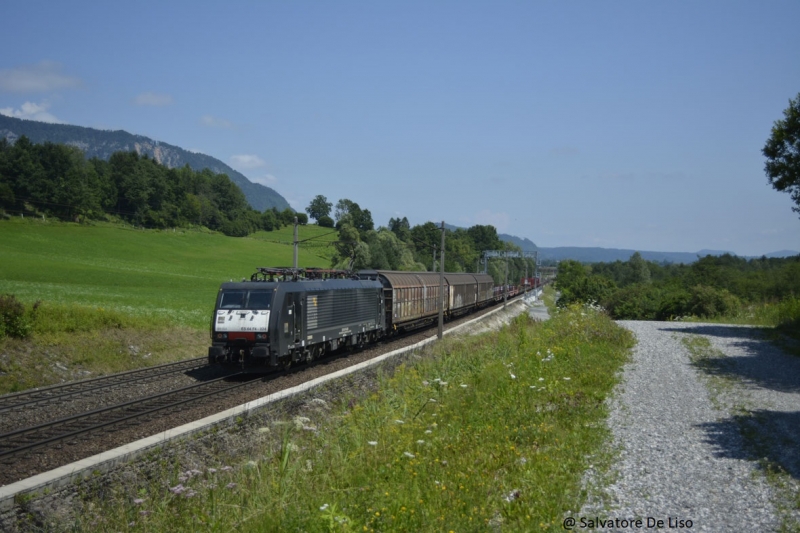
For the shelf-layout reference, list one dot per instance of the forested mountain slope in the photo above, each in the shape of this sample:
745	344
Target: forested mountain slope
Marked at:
103	143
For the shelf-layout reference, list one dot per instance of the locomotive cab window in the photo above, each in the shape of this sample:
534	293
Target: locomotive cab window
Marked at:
259	300
240	299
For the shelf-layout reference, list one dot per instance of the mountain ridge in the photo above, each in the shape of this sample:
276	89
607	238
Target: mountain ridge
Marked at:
103	143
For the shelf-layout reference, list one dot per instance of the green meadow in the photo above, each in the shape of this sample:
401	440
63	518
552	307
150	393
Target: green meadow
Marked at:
103	298
172	276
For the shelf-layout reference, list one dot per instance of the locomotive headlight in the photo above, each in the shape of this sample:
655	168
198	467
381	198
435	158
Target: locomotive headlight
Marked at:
222	336
261	336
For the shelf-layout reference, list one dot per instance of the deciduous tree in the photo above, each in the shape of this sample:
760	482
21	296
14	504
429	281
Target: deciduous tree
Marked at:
783	153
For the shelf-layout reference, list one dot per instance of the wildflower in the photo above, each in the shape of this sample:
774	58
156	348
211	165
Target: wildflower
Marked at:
511	496
230	486
428	431
409	455
512	375
145	513
399	422
323	507
190	494
138	501
372	442
212	470
177	489
443	383
425	383
567	379
541	379
431	400
183	477
195	472
463	385
420	441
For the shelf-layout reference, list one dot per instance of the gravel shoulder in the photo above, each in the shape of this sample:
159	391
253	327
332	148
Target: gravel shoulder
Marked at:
709	434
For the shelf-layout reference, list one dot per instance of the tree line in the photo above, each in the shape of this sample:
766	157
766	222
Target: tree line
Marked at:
58	180
399	246
713	286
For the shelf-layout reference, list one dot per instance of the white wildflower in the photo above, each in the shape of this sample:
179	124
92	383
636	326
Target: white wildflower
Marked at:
409	455
372	442
399	422
420	441
323	507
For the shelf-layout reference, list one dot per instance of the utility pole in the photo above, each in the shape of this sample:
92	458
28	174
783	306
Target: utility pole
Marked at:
441	288
295	243
505	287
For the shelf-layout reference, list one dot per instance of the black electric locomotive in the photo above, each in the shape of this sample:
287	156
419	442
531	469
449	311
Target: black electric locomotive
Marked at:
274	321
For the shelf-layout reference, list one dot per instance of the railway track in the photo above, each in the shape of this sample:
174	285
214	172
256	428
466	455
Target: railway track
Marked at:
33	447
57	393
66	430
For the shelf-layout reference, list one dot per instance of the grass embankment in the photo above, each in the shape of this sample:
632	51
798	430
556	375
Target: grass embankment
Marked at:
491	431
114	298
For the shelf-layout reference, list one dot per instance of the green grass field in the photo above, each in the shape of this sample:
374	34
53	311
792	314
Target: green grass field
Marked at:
116	298
169	275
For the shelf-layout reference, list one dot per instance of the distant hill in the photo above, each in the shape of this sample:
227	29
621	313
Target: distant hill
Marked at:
609	255
525	244
103	143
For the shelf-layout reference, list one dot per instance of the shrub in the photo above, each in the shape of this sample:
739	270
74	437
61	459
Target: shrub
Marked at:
635	302
13	322
708	302
325	222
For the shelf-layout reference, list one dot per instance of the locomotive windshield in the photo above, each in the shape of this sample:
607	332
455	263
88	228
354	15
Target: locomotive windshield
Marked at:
244	299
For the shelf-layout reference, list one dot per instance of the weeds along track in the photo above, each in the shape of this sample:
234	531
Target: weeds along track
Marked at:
59	393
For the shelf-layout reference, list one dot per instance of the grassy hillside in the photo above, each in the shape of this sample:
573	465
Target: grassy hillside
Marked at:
115	298
167	274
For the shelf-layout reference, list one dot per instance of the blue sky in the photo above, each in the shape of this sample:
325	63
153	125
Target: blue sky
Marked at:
621	124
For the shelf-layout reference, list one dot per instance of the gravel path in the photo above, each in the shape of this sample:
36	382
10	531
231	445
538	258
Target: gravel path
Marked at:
691	436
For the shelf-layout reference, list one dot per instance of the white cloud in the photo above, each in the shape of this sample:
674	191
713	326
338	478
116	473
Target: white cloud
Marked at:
501	221
41	77
268	180
246	162
153	99
216	122
31	111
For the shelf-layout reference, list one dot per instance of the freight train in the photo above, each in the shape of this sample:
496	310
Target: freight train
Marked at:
285	315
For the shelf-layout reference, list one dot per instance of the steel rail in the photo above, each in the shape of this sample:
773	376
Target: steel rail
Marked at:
28	439
75	388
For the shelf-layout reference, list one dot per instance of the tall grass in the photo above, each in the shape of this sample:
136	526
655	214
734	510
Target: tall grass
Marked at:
491	432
